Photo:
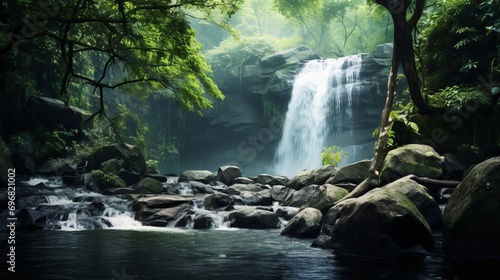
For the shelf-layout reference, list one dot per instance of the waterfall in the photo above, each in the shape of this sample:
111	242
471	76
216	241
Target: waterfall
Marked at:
319	108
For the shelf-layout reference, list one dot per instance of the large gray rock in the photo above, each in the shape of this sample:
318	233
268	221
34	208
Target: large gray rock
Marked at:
162	217
422	199
195	175
148	186
301	197
317	176
470	222
325	196
353	173
253	219
52	112
132	158
227	173
420	160
281	193
159	201
383	223
218	201
271	180
306	224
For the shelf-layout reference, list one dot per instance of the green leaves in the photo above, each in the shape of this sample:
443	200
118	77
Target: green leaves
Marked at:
332	155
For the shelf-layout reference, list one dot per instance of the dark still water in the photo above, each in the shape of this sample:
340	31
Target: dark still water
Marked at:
212	254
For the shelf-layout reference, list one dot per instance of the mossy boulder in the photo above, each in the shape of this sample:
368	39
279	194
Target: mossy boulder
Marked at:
148	186
325	196
383	223
104	180
470	221
306	224
253	219
422	199
417	159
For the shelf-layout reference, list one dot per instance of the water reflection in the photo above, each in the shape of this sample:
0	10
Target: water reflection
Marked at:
211	254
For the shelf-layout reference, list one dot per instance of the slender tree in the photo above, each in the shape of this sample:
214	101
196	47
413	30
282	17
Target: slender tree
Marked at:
403	54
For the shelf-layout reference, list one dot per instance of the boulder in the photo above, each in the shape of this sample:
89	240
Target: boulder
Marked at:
243	180
23	163
148	186
5	162
470	220
316	176
280	193
202	221
420	160
219	201
195	175
227	173
52	112
158	201
271	180
383	223
253	219
238	188
132	158
287	212
31	219
301	197
262	198
325	196
112	166
306	224
422	199
353	173
163	217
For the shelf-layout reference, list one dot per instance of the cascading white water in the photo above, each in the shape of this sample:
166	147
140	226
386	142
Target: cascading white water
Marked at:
321	99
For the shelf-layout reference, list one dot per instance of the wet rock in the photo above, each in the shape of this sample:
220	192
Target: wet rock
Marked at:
325	196
30	219
316	176
53	112
227	173
271	180
383	223
132	158
160	201
470	220
417	159
301	197
421	198
253	219
217	202
238	188
353	173
148	186
195	175
306	224
262	198
280	193
163	216
243	180
287	212
202	221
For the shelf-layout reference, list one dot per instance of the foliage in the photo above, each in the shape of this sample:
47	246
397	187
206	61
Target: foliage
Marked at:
51	144
460	42
105	179
152	166
401	114
456	98
231	53
332	155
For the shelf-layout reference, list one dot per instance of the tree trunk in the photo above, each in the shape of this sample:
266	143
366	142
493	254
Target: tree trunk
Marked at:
402	54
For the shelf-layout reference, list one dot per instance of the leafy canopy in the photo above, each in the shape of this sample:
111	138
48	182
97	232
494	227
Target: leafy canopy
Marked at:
139	46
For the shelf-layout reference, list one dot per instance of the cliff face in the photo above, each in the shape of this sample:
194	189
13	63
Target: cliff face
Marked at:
244	128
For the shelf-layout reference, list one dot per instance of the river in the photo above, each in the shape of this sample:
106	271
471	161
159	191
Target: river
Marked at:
169	253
